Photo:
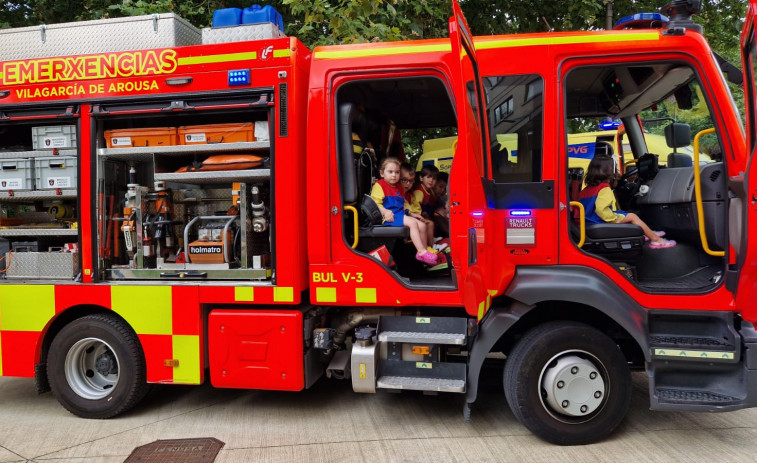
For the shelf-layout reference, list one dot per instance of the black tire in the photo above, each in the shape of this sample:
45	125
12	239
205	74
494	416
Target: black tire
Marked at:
568	383
96	367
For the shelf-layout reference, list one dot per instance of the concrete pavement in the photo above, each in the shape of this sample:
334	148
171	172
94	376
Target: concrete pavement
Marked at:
330	423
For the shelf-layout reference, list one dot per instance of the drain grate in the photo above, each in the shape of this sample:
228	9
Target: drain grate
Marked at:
202	450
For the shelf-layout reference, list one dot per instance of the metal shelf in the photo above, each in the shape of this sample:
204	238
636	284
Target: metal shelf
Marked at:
217	176
36	195
139	152
39	232
37	153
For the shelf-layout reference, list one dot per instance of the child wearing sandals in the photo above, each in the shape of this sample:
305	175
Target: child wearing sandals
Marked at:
390	198
599	201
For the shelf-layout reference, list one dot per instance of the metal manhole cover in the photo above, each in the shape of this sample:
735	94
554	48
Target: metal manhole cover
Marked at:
203	450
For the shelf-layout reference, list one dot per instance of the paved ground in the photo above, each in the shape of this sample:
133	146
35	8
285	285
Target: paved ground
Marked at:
330	423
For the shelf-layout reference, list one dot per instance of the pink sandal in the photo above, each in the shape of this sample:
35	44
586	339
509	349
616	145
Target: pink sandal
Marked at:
658	233
427	258
662	244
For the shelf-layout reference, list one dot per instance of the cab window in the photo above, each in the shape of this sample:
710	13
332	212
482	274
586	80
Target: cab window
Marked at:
514	105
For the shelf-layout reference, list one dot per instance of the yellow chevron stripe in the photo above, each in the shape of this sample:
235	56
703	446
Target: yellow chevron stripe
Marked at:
384	51
483	44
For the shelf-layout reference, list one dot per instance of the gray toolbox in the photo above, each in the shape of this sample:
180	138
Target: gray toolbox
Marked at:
162	30
53	172
16	174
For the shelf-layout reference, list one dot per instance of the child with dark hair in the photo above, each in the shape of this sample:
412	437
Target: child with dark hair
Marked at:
599	201
423	200
407	179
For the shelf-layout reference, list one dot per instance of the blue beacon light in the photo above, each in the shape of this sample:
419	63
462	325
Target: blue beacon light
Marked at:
520	213
239	77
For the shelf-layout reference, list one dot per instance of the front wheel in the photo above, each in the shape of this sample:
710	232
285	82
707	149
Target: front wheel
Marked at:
568	383
96	367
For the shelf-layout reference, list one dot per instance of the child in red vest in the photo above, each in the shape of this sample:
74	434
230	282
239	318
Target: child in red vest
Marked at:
599	201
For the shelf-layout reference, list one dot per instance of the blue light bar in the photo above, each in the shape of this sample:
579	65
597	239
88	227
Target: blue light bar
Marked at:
239	77
520	213
642	21
609	125
477	214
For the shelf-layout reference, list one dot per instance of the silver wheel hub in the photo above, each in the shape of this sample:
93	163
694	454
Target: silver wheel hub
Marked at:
91	368
573	386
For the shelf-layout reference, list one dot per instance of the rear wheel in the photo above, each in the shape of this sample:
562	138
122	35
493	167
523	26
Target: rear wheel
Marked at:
96	367
568	383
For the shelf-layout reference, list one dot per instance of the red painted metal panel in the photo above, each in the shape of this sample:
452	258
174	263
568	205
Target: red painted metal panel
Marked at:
157	348
256	349
186	317
67	296
18	348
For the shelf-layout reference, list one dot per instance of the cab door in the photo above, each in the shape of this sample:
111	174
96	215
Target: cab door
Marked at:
467	200
746	243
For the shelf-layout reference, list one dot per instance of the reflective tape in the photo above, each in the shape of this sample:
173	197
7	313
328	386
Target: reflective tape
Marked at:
323	294
186	349
26	307
148	309
365	295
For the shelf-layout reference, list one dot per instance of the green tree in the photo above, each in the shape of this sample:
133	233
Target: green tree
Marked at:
317	22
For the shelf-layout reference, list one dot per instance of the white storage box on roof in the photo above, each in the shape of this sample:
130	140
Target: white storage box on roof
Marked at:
99	36
241	33
16	174
48	137
55	172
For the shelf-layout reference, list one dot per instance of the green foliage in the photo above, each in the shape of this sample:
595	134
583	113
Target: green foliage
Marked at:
316	22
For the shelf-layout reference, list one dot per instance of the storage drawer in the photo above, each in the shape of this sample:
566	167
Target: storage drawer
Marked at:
151	136
48	137
16	174
55	172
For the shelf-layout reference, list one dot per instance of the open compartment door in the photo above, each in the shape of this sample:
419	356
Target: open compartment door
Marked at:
467	200
747	220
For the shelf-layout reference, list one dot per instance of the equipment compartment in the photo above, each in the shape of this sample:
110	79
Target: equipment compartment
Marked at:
196	209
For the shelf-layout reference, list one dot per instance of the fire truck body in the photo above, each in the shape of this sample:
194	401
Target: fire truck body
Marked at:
220	234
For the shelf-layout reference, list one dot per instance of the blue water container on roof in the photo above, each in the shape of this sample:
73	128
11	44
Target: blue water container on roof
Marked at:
256	14
227	17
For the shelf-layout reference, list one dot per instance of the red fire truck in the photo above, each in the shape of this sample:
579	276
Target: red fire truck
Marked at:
184	211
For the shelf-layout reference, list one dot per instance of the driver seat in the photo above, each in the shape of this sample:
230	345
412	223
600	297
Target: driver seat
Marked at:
351	119
617	242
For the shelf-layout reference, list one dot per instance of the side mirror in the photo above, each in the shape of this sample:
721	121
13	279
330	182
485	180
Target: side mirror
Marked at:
678	135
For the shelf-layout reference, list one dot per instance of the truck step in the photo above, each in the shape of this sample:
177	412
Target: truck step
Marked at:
693	342
421	384
693	397
430	330
421	337
694	337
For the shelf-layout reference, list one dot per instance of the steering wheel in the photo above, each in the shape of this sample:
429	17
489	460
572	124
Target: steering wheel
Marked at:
629	173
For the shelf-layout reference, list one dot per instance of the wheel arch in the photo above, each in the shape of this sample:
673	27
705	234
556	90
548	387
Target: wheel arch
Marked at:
53	328
540	294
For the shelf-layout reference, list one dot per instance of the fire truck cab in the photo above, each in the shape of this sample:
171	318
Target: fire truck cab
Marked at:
209	203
